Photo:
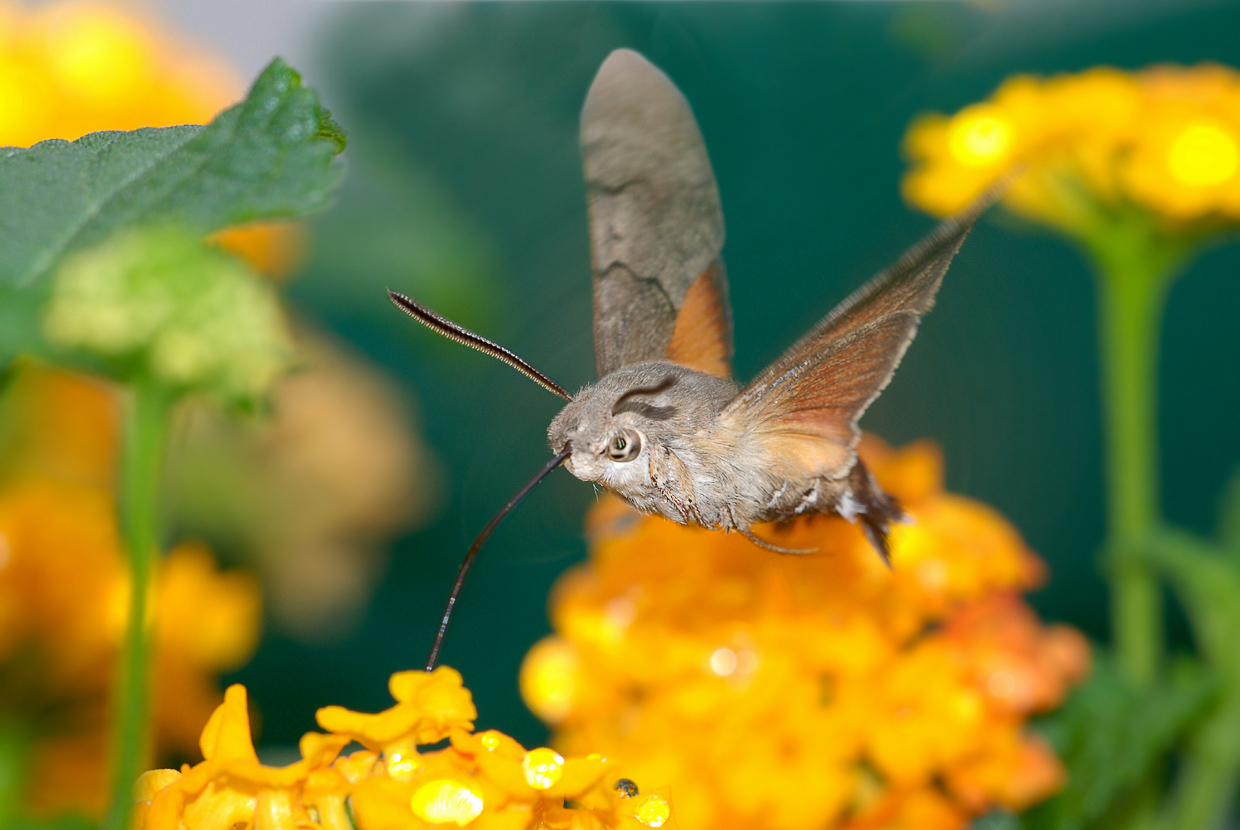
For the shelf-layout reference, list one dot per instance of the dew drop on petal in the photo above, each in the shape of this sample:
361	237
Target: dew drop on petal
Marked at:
654	812
444	801
402	766
723	662
543	767
626	787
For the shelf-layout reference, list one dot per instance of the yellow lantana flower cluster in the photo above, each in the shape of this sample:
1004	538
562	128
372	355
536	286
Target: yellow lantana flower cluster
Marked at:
63	598
485	780
823	690
1165	138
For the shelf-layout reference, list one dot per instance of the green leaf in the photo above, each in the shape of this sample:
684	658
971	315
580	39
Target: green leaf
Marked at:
1229	517
996	820
1208	583
20	331
1110	736
269	157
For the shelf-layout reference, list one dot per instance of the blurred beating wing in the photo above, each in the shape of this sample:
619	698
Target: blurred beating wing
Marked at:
656	225
804	407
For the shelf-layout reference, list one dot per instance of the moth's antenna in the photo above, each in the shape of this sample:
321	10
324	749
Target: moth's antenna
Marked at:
462	335
468	561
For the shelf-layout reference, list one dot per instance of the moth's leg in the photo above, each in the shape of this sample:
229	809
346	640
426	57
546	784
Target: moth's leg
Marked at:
671	477
684	486
762	543
659	480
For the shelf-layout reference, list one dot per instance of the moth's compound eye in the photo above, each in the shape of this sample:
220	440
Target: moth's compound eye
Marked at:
624	445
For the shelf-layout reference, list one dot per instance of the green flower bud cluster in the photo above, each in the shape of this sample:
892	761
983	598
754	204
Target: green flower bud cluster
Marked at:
162	304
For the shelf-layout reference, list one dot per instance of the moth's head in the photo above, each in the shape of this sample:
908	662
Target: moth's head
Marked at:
613	426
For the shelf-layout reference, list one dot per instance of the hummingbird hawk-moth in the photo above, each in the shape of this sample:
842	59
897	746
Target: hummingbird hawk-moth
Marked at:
666	427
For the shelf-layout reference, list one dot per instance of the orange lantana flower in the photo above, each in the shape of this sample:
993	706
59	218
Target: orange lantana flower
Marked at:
812	691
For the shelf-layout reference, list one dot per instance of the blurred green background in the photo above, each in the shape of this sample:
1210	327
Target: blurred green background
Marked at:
465	191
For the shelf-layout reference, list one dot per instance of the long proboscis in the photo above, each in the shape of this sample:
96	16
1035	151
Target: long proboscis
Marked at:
462	335
472	554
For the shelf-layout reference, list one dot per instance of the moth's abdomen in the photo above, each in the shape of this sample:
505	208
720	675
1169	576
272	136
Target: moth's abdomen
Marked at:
856	497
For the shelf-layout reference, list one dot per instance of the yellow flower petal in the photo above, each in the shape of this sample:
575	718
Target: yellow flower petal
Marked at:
490	741
429	706
227	734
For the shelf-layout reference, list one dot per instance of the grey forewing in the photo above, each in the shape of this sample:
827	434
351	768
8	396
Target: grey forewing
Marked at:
655	218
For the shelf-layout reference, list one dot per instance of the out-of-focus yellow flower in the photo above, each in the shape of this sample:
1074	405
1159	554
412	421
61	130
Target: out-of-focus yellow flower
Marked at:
58	426
312	492
274	250
485	780
812	691
207	623
67	69
63	589
1165	138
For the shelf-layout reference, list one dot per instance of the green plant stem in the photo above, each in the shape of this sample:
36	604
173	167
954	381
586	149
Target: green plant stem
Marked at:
1130	311
14	759
1134	270
1135	264
142	448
